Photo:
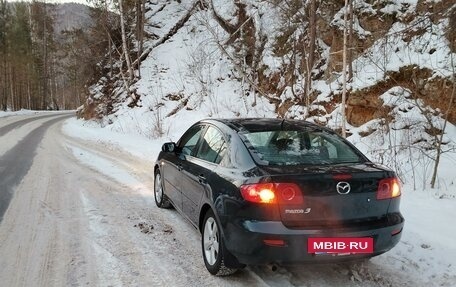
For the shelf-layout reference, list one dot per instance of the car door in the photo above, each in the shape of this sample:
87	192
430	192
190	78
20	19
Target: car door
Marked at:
173	171
198	171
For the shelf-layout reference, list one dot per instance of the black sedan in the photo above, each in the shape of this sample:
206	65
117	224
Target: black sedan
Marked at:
272	191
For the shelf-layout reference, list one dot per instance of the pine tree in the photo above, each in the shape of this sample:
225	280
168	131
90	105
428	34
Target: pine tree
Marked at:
20	57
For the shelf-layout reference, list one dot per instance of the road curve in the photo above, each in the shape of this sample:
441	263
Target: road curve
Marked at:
15	163
5	129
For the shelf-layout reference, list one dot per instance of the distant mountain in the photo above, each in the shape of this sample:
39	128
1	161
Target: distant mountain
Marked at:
68	16
72	15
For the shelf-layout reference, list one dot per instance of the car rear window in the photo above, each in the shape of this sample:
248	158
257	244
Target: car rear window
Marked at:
299	147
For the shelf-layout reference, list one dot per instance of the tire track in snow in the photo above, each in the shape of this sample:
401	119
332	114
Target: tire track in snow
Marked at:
174	257
41	222
15	163
5	129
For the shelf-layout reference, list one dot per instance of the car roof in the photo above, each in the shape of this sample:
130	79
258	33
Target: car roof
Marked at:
262	124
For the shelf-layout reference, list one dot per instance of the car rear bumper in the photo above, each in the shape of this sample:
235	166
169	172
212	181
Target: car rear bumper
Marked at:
245	240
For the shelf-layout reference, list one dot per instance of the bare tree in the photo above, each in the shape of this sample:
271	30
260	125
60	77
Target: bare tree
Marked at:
350	41
344	71
311	49
125	44
140	19
445	122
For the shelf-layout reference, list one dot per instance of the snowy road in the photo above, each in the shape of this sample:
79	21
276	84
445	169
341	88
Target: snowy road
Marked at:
82	213
15	163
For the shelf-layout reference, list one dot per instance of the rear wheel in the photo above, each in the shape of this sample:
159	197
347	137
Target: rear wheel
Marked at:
160	198
214	251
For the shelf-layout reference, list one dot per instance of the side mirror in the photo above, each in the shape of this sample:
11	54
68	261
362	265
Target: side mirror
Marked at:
169	147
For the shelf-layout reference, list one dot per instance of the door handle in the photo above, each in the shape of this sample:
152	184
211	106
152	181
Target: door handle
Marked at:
201	179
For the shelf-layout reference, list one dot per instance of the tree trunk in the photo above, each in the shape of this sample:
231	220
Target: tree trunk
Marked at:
140	12
106	12
440	139
45	62
311	50
124	44
350	41
4	87
11	87
344	71
29	98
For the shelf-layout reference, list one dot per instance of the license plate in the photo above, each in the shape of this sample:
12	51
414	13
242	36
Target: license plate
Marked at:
340	245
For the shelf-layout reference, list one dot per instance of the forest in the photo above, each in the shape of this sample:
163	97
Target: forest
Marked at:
47	61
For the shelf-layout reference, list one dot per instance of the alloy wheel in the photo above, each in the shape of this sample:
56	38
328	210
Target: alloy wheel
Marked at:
211	241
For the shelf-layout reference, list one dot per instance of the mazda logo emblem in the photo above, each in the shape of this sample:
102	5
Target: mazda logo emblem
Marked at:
343	187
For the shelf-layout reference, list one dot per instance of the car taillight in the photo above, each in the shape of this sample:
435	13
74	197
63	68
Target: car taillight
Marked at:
259	192
286	193
289	193
388	188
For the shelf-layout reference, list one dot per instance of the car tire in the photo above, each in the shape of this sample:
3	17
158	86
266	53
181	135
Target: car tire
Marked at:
213	248
159	194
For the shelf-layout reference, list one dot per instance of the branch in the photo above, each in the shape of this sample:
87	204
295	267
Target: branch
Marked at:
168	35
238	67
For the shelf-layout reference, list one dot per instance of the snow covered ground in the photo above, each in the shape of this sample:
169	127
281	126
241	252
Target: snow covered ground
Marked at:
424	257
84	215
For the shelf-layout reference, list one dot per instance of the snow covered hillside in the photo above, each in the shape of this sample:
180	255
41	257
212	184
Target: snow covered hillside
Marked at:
248	58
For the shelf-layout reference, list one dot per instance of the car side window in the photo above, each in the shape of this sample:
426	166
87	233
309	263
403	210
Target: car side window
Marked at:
189	140
212	147
221	154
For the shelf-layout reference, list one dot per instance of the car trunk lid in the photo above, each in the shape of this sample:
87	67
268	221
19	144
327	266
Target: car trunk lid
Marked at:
333	196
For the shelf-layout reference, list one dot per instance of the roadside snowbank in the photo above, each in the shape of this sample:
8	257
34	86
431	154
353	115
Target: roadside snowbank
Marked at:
137	145
22	112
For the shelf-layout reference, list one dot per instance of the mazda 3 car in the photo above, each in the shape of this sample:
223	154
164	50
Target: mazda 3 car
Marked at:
272	191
